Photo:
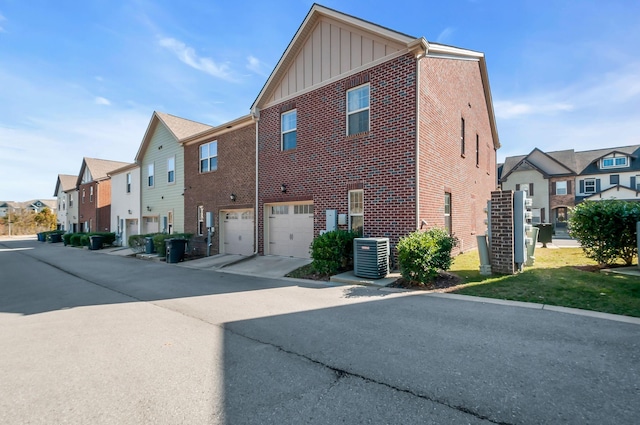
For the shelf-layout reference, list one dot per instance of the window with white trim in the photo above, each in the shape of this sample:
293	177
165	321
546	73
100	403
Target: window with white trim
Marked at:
356	211
288	127
614	162
150	174
590	186
447	212
200	220
171	169
358	110
209	157
561	188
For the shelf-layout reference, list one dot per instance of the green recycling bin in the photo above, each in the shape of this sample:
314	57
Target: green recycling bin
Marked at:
148	245
175	250
545	233
95	242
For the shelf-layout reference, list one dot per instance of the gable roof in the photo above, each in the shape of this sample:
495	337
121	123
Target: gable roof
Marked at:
559	163
385	44
585	158
180	128
65	182
99	168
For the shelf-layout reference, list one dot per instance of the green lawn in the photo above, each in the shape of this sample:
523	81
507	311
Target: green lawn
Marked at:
554	280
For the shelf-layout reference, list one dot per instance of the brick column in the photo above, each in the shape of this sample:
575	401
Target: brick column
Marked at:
502	260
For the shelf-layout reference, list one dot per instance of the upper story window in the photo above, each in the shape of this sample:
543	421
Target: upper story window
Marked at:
590	186
614	162
209	157
171	169
561	188
358	110
288	126
128	182
150	175
462	141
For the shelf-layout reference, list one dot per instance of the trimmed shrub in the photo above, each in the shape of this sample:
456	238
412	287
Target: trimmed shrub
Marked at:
333	251
422	255
66	238
76	239
606	229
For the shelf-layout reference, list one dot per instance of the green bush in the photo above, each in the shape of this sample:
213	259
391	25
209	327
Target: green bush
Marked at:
76	239
606	229
421	255
333	251
66	238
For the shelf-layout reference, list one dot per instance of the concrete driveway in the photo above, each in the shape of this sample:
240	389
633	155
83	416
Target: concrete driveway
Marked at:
100	339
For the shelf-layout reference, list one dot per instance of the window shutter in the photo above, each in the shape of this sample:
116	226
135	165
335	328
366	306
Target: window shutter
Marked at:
531	189
542	216
633	182
553	188
568	187
597	185
581	186
517	187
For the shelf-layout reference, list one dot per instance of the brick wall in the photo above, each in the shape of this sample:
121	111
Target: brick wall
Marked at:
235	174
502	259
326	163
449	91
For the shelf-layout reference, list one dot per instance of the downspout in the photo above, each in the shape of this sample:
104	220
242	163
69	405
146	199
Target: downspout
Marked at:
417	200
256	117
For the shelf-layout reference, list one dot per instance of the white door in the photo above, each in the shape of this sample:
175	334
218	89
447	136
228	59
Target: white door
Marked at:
237	232
290	229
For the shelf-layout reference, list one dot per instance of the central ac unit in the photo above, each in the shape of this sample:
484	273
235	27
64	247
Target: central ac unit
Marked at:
371	257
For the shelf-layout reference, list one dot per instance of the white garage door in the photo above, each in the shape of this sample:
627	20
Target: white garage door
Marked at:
290	229
237	237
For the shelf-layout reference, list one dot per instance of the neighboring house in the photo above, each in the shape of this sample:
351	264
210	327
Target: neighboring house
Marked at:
65	183
94	191
557	181
385	131
125	202
220	177
161	161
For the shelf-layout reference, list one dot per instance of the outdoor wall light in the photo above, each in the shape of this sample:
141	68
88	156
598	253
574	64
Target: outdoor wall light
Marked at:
233	197
283	188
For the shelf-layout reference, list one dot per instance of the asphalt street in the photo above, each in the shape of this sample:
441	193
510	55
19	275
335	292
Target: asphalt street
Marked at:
89	338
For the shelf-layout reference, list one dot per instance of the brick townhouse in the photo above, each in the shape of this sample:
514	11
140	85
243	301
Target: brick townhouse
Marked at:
389	131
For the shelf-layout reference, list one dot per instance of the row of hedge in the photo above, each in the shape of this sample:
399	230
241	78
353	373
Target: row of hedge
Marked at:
137	243
421	255
82	239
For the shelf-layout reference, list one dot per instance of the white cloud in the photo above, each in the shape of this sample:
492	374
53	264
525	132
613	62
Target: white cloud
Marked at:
189	56
445	35
255	65
102	101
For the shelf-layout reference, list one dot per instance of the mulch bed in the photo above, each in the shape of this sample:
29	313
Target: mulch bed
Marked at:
443	281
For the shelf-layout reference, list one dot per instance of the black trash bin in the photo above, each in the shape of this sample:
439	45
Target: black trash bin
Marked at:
95	242
175	250
148	245
545	234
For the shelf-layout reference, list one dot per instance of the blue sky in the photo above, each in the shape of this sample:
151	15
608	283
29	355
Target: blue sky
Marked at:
83	78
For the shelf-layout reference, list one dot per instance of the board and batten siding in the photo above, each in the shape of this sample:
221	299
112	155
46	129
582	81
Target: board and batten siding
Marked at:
163	197
331	49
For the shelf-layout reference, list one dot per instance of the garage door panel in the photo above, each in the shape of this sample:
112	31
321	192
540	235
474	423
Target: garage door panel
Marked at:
238	232
290	229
